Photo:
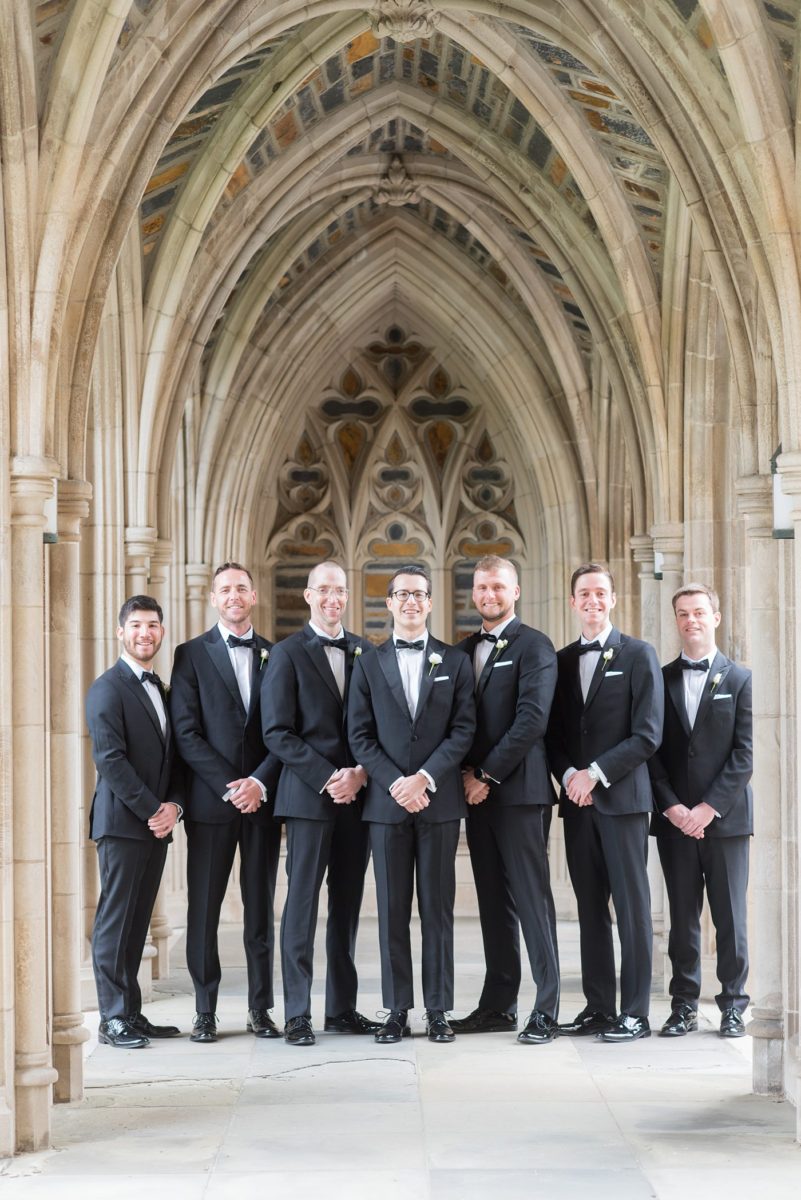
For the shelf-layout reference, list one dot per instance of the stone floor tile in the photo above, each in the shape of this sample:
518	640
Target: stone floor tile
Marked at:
537	1184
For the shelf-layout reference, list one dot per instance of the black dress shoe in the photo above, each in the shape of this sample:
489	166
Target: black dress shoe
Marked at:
682	1020
731	1023
140	1023
204	1028
437	1028
485	1020
298	1032
627	1028
119	1033
394	1028
351	1022
588	1021
261	1023
539	1028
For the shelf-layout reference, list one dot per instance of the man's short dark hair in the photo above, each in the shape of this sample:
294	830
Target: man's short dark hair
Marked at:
693	589
230	566
410	569
590	568
139	604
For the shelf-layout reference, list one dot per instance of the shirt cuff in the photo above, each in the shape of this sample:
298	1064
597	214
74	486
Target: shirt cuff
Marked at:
601	775
262	788
431	785
569	773
179	807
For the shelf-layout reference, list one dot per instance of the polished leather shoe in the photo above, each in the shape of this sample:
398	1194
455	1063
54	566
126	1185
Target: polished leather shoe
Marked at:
119	1033
539	1028
140	1023
588	1021
204	1028
682	1020
485	1020
261	1023
731	1023
437	1027
351	1022
298	1032
627	1028
394	1028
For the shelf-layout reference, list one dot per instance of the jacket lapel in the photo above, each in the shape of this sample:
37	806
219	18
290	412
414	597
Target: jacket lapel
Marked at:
429	673
613	643
218	653
138	690
509	634
319	658
720	666
256	667
674	680
388	660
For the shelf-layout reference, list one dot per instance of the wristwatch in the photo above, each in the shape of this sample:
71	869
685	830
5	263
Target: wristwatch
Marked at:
481	775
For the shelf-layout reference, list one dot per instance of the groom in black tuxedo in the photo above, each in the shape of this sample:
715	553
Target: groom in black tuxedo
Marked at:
136	803
216	712
701	776
411	720
304	695
509	797
606	722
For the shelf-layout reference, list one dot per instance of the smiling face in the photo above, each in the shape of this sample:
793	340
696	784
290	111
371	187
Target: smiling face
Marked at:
593	600
495	593
141	636
327	597
409	611
696	621
233	596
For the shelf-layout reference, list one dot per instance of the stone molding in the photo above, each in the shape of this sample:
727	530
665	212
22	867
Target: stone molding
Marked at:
404	20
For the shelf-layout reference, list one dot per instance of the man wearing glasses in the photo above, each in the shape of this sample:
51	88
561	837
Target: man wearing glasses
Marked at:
304	692
411	719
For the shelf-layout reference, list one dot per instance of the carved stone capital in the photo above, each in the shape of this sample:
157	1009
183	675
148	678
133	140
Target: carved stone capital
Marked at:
642	549
755	501
396	186
72	501
404	20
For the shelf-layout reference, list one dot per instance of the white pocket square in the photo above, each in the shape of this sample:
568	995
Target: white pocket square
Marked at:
722	696
507	662
609	674
441	678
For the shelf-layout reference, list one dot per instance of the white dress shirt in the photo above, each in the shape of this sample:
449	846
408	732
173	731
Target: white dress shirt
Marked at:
485	648
694	684
335	656
153	693
241	660
410	665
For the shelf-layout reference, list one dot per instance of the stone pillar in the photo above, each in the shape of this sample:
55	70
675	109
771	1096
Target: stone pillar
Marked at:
197	597
668	541
441	621
31	488
642	547
160	928
755	503
66	706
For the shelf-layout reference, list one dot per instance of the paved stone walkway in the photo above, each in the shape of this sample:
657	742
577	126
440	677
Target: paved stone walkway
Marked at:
349	1120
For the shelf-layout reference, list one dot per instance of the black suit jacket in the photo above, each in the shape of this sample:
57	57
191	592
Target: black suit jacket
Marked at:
513	703
389	744
137	768
216	738
619	727
305	723
711	762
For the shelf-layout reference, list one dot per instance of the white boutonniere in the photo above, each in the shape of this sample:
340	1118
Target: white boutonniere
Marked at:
357	651
263	656
716	680
435	659
607	657
501	644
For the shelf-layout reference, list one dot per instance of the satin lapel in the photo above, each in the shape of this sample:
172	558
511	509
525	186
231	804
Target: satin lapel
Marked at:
138	690
430	672
388	660
573	674
255	673
509	634
318	657
674	678
350	661
719	666
602	666
218	653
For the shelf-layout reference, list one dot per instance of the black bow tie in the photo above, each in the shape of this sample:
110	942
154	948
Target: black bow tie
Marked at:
336	643
401	645
701	665
234	642
589	647
487	637
149	677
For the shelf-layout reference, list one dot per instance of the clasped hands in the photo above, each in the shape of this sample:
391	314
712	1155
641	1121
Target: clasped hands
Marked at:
475	790
162	823
691	821
579	788
410	792
244	794
345	784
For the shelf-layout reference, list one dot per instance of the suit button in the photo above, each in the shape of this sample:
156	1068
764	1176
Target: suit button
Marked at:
415	737
691	754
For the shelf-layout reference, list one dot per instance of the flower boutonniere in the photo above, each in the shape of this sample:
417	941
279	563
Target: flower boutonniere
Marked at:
357	651
501	644
607	657
716	680
263	656
435	659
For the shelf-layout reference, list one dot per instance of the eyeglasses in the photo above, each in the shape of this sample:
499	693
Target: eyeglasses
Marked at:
403	596
326	592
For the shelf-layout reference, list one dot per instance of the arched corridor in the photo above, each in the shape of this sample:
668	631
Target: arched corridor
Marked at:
289	279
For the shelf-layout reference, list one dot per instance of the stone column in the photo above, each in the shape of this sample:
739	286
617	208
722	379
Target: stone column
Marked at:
642	547
754	502
160	928
197	597
31	488
66	706
668	540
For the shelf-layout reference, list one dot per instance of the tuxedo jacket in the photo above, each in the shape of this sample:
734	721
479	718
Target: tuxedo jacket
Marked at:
619	727
711	762
305	723
216	738
137	767
513	702
388	743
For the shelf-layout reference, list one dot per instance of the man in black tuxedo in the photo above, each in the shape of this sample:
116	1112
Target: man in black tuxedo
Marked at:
411	720
701	777
319	796
136	803
216	711
509	795
606	722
